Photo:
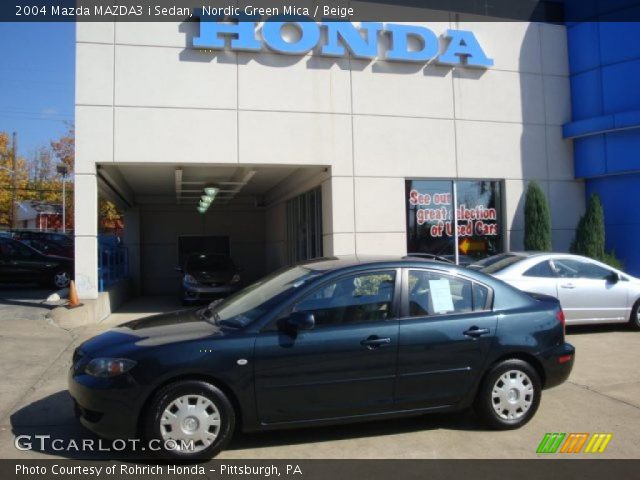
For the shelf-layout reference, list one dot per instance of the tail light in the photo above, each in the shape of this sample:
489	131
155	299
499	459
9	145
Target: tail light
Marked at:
561	319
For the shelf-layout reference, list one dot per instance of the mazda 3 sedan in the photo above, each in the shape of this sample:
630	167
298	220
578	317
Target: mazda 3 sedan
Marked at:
589	291
325	342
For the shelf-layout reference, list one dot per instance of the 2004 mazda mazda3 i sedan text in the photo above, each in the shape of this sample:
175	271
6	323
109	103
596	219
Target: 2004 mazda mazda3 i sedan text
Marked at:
327	341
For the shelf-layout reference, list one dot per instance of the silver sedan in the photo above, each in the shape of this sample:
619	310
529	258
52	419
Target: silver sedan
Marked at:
589	291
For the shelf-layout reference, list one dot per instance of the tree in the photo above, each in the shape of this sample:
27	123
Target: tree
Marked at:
537	220
110	219
6	179
64	148
589	238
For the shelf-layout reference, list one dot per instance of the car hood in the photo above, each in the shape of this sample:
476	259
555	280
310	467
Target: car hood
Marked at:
163	329
212	277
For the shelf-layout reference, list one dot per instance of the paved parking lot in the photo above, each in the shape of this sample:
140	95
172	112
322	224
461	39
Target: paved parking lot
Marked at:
602	395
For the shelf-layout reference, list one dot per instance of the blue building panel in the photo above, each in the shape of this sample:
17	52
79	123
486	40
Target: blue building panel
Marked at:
591	151
623	152
620	89
622	218
605	92
618	42
586	94
583	59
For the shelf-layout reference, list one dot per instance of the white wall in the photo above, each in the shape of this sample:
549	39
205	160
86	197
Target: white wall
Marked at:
144	95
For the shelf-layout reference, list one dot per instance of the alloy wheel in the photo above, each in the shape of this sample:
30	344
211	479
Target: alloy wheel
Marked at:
61	279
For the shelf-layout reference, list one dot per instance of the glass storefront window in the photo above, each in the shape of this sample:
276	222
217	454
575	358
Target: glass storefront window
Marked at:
432	209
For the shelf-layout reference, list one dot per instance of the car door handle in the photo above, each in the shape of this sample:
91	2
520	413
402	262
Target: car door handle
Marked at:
476	332
374	342
568	285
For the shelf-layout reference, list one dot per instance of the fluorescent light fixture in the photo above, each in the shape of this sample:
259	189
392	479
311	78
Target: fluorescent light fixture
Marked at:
206	199
211	191
204	205
202	209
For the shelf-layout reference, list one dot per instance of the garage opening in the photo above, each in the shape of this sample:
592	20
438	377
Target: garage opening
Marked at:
262	217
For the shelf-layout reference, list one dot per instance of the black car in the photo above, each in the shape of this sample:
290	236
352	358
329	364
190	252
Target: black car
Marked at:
19	263
207	276
320	343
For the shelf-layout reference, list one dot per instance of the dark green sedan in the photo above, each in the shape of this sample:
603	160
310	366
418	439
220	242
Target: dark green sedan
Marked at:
325	342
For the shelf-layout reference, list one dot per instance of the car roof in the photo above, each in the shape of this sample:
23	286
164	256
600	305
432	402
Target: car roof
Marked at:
392	261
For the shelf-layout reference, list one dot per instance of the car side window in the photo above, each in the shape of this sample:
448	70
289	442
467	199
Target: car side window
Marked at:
433	293
365	297
570	268
541	270
15	250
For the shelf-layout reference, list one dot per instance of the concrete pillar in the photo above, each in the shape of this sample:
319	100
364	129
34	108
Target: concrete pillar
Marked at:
338	221
86	235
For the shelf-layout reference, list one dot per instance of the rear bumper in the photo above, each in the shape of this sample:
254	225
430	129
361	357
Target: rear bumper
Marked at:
558	363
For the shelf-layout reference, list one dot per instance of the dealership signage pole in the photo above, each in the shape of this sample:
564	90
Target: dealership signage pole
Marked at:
63	170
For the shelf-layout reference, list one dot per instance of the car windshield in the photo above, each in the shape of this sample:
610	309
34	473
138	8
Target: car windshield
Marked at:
496	263
250	303
209	263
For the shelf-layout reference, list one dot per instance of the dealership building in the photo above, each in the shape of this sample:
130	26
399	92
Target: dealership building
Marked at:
335	139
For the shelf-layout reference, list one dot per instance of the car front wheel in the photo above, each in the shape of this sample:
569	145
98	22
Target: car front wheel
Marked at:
509	395
635	316
61	279
190	419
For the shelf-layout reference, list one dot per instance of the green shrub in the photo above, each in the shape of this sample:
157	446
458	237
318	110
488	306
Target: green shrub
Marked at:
589	238
613	261
537	220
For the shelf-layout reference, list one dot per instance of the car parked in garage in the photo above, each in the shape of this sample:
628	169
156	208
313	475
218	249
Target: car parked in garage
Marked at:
589	291
320	343
19	263
207	276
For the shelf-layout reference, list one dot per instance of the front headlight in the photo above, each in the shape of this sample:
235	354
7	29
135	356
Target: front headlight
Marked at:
109	367
190	280
235	278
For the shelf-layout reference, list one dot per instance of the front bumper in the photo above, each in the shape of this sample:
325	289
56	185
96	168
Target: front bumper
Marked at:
108	407
558	363
199	293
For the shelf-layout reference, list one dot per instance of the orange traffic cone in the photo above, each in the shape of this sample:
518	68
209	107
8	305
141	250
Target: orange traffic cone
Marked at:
74	301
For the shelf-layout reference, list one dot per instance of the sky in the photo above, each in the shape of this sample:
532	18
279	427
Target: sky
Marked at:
37	82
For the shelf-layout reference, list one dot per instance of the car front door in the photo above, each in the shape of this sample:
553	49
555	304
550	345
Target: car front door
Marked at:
446	330
345	365
18	263
588	293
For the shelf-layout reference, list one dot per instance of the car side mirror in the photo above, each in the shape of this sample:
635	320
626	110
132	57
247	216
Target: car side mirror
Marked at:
301	321
613	277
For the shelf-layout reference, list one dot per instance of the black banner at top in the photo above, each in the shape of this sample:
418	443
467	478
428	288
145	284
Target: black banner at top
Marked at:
553	11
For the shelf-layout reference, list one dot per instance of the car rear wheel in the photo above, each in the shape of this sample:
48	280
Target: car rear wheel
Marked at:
190	420
509	395
634	321
61	279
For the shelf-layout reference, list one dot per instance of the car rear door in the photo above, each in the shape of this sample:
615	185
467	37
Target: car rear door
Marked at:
446	330
345	365
587	293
